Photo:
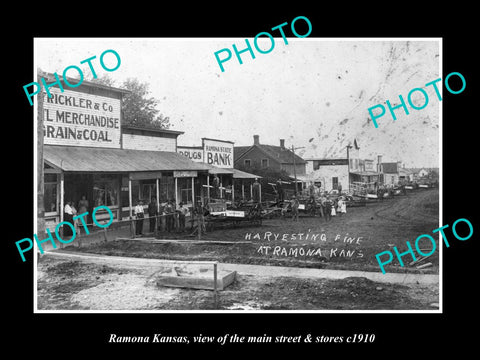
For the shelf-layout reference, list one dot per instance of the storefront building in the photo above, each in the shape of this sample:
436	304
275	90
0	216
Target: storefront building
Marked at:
90	159
224	182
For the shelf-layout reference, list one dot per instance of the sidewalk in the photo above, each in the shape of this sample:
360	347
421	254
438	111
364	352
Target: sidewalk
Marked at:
258	270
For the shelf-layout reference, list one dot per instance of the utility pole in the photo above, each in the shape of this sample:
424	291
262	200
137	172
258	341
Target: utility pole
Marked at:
40	181
295	166
348	164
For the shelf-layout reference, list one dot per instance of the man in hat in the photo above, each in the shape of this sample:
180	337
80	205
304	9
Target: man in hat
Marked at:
182	213
139	214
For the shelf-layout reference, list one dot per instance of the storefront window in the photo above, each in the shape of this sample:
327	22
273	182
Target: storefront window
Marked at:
143	190
105	190
50	193
185	189
167	188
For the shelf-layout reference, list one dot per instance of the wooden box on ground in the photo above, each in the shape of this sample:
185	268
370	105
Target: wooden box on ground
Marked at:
193	277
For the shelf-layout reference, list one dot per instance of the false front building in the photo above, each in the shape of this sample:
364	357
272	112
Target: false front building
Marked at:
91	159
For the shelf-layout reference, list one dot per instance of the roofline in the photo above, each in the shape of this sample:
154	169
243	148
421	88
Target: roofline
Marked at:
133	127
318	159
190	147
303	161
226	141
263	151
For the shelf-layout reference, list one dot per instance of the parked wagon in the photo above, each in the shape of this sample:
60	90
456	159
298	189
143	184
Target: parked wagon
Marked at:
219	216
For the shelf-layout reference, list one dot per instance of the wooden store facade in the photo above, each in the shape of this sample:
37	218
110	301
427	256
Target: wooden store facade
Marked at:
88	155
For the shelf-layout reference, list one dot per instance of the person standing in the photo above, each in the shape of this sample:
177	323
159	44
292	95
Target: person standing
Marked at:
68	216
341	206
256	190
169	213
139	214
334	206
311	189
339	189
328	209
216	186
322	204
75	221
152	214
182	213
83	205
294	204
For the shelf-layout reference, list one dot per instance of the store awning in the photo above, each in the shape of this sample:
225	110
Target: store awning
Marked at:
84	159
238	174
216	170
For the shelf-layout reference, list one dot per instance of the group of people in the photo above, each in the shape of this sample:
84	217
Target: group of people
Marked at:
331	207
328	206
70	211
163	218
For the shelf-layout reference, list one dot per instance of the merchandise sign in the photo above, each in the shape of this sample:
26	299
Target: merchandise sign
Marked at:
79	119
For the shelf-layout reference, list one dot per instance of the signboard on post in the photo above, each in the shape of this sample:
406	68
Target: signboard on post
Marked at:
185	173
79	119
218	153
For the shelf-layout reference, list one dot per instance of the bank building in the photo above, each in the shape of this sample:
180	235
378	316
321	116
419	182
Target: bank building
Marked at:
92	158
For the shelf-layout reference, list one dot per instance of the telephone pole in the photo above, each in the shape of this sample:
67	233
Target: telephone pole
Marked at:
295	166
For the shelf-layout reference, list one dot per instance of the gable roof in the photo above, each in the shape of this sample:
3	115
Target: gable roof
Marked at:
277	153
238	151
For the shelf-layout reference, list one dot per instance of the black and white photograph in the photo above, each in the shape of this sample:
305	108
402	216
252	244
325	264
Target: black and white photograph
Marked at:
274	174
222	179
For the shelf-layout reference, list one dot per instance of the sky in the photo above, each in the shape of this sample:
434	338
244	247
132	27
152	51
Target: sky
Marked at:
312	92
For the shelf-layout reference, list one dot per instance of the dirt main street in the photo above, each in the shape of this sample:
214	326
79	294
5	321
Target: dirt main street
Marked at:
349	242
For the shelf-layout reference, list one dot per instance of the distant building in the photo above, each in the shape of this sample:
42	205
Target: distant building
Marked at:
389	173
261	156
393	173
332	172
424	173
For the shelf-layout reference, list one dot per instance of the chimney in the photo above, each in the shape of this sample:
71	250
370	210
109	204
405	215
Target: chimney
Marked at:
379	163
282	143
256	140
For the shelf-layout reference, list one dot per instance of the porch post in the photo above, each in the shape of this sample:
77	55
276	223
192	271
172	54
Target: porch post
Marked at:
130	196
208	187
176	192
193	190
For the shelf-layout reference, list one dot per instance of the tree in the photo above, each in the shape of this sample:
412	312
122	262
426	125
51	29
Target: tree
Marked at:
104	80
139	109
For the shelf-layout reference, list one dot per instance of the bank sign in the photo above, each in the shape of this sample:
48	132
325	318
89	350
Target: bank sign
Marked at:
218	153
79	119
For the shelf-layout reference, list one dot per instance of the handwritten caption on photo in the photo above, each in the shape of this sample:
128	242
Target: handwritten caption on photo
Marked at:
292	249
